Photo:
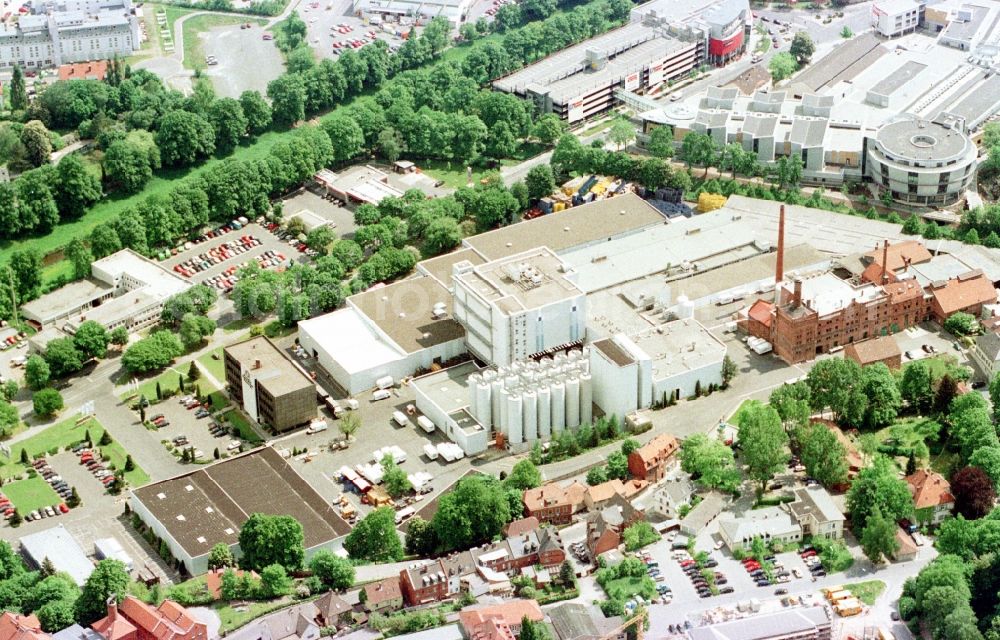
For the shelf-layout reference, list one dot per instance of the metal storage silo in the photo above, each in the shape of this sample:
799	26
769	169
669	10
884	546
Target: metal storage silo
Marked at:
514	409
504	425
529	419
586	399
573	403
544	412
495	387
484	405
558	407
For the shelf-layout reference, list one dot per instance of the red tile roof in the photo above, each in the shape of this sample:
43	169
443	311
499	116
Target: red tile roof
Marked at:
522	526
383	591
493	622
17	627
899	252
84	70
114	626
964	292
760	311
873	350
657	450
929	489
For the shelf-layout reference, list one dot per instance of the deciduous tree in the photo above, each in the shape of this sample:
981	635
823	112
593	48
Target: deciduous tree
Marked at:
266	540
763	441
375	538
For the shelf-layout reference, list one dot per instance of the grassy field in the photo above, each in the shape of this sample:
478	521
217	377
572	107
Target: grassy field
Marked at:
866	592
169	382
215	366
735	418
31	494
194	53
235	617
62	435
625	588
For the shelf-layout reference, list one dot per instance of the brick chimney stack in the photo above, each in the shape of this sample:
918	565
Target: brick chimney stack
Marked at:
797	297
779	268
885	261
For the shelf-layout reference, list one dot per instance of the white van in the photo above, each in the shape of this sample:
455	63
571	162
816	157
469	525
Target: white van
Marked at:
430	451
403	514
381	394
317	426
425	424
385	382
352	404
400	418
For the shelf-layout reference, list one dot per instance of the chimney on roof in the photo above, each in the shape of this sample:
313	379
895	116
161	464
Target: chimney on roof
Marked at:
885	261
779	269
256	364
797	297
906	263
112	604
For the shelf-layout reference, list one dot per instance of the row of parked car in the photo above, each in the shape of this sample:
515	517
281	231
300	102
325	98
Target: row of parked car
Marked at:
216	255
92	461
217	232
226	280
813	563
698	580
295	240
191	402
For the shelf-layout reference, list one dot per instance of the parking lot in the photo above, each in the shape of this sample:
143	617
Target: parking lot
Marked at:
183	423
311	199
324	19
233	48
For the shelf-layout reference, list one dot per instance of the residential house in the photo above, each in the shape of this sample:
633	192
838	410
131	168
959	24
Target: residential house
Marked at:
817	515
773	524
14	626
675	491
650	461
332	611
932	499
384	595
882	349
500	621
76	632
605	527
522	525
136	620
600	495
575	621
294	623
985	352
424	583
554	503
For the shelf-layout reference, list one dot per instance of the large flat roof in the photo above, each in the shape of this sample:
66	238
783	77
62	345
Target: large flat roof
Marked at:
64	300
679	346
899	77
276	371
159	282
402	310
823	72
522	281
440	268
346	335
979	104
783	624
582	225
208	506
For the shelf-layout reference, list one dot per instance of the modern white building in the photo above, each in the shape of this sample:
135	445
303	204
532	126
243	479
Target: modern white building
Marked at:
455	11
125	290
892	18
66	31
671	360
394	330
519	306
923	162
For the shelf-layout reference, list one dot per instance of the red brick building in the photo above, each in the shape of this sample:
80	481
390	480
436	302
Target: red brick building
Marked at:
650	462
427	583
554	503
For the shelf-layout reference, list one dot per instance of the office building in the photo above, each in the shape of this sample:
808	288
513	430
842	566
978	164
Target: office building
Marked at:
893	18
455	11
194	511
271	388
57	33
61	549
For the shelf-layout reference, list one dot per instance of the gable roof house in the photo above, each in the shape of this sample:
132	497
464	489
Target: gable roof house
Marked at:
932	499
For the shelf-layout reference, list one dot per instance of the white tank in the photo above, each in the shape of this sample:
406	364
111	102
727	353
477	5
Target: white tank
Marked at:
531	365
544	413
684	307
484	405
489	374
516	366
586	399
585	353
558	407
573	403
495	387
510	381
530	416
515	427
473	390
504	425
573	355
559	358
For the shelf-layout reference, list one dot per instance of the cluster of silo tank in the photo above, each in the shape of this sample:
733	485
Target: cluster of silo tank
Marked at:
534	400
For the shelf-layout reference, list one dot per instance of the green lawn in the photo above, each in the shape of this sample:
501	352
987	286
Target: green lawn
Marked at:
215	366
31	494
735	418
624	588
909	431
194	53
866	592
246	431
67	433
235	617
169	382
218	400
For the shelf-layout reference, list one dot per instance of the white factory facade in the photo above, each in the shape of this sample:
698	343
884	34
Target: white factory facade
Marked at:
67	31
664	41
902	112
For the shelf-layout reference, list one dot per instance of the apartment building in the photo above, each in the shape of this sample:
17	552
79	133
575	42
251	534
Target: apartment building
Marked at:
554	503
651	461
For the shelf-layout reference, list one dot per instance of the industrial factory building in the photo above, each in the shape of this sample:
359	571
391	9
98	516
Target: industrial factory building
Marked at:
664	41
